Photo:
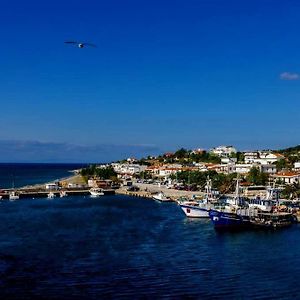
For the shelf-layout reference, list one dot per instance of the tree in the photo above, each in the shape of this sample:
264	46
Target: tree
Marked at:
181	153
281	164
256	177
102	173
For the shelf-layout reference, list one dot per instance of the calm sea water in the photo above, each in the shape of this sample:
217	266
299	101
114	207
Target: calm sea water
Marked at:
124	247
28	174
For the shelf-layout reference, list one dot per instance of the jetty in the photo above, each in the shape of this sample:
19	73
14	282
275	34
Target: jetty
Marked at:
24	193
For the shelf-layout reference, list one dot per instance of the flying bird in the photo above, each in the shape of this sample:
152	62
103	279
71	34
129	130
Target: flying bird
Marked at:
80	44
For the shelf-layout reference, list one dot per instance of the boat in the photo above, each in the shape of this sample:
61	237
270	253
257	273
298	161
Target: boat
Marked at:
199	208
162	197
272	220
63	194
96	192
234	215
51	195
265	204
13	196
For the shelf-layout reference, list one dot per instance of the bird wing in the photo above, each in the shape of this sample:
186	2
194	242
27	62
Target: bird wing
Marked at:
89	44
70	42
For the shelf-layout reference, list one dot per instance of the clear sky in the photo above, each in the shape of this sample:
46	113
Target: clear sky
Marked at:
165	74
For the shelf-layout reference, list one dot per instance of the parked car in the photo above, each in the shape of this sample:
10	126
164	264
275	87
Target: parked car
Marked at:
133	188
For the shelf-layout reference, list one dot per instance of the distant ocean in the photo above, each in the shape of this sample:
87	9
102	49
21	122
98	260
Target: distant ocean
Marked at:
19	174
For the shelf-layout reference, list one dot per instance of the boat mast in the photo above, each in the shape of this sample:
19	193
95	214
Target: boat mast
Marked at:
208	189
237	190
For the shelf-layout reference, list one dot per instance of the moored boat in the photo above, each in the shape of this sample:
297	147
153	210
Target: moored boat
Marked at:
63	194
199	208
96	192
226	219
51	195
162	197
272	220
233	216
13	196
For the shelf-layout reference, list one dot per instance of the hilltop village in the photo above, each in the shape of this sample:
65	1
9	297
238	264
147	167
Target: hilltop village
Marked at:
188	170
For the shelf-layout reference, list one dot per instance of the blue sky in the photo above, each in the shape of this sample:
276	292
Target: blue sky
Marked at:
165	74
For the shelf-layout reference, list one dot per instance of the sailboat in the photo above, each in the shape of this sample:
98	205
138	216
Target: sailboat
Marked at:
12	194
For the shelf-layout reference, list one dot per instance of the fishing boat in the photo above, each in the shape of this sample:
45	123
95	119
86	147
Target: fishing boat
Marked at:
96	192
234	215
272	220
162	197
265	204
199	208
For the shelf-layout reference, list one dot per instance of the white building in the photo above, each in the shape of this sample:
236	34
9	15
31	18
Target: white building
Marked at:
130	169
266	158
228	160
268	169
262	157
288	177
250	157
233	168
297	165
223	151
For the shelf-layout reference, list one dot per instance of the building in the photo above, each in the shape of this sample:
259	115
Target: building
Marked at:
250	157
266	158
297	166
287	177
198	151
228	160
262	157
128	169
223	151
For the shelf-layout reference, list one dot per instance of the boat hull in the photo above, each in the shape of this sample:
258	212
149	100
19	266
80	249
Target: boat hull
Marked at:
225	220
194	212
162	199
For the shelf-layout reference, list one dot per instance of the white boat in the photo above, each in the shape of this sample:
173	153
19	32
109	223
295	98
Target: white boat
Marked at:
162	197
51	195
265	204
13	196
200	208
196	209
96	192
63	194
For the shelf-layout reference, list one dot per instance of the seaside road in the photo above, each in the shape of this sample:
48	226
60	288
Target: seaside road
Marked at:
174	194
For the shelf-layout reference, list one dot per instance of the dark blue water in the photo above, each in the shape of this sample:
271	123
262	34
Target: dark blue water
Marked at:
123	247
28	174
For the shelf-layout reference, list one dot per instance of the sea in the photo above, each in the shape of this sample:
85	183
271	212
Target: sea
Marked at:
23	174
121	247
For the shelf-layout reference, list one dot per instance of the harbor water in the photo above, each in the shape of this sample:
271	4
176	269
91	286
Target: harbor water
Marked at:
125	247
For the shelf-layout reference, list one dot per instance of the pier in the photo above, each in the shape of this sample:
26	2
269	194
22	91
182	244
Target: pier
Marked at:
43	193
